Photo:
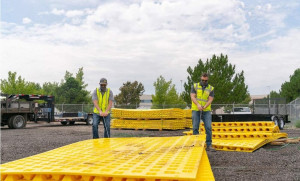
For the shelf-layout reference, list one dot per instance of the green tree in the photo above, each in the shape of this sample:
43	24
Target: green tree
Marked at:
18	85
291	90
229	86
71	90
166	95
79	78
50	88
129	97
274	94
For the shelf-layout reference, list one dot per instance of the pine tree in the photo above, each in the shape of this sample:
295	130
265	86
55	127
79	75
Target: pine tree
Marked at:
229	86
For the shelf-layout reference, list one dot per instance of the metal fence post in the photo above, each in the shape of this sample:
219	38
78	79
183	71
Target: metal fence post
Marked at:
296	116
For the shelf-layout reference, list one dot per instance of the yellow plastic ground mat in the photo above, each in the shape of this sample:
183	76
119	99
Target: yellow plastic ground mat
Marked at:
147	113
245	129
263	127
188	123
244	145
242	136
250	135
242	124
116	159
160	124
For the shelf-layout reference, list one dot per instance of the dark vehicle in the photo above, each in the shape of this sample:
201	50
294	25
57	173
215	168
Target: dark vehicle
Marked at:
17	109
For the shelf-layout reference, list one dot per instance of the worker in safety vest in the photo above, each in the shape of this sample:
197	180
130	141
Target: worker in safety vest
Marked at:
202	95
103	100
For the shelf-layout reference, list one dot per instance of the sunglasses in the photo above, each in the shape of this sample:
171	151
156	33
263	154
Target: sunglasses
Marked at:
204	80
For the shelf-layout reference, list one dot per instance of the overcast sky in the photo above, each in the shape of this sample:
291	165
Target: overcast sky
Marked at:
141	40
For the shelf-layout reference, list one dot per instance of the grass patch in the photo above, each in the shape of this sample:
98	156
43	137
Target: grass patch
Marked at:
297	124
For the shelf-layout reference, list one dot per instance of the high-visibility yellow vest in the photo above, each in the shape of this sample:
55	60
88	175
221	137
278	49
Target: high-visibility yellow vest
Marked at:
102	100
202	96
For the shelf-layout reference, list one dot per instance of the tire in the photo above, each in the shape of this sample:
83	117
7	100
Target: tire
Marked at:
17	122
281	123
72	122
276	121
89	120
64	123
9	122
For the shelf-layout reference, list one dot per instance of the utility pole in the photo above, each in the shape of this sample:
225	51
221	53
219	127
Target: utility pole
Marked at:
181	86
269	99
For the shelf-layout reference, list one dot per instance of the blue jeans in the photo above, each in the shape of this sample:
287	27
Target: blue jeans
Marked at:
206	117
106	123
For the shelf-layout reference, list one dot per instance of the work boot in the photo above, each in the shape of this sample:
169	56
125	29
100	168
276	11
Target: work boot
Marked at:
210	148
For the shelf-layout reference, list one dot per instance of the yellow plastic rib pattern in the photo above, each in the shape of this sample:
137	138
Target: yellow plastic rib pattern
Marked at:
187	113
242	124
246	135
147	113
116	159
148	119
242	136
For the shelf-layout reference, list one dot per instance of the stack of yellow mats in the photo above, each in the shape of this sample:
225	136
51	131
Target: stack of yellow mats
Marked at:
187	113
148	119
242	136
116	159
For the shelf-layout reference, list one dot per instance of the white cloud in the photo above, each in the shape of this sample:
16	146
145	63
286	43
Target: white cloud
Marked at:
26	20
272	16
74	13
69	13
58	11
139	41
273	66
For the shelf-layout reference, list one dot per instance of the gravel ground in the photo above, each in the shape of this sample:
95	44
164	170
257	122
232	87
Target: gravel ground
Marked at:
267	163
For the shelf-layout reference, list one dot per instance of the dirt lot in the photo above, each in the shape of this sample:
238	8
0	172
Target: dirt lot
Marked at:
267	163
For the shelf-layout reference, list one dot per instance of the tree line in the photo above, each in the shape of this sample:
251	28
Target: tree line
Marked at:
230	87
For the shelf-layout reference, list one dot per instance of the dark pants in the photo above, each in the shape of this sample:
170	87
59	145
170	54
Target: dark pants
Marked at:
106	123
206	117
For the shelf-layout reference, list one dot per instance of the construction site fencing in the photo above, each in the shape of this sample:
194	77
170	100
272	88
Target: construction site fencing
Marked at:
65	108
258	107
293	109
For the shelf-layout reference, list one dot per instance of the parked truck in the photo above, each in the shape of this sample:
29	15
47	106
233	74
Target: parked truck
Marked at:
18	109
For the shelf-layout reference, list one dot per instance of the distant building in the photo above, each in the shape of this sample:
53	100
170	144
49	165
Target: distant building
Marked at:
257	97
146	102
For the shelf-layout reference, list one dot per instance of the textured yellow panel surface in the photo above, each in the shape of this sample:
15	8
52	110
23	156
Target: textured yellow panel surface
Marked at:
159	124
248	135
245	145
187	113
243	124
173	113
242	136
174	158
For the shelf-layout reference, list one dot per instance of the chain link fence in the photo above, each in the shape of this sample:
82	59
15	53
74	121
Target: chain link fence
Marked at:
261	106
73	108
293	109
